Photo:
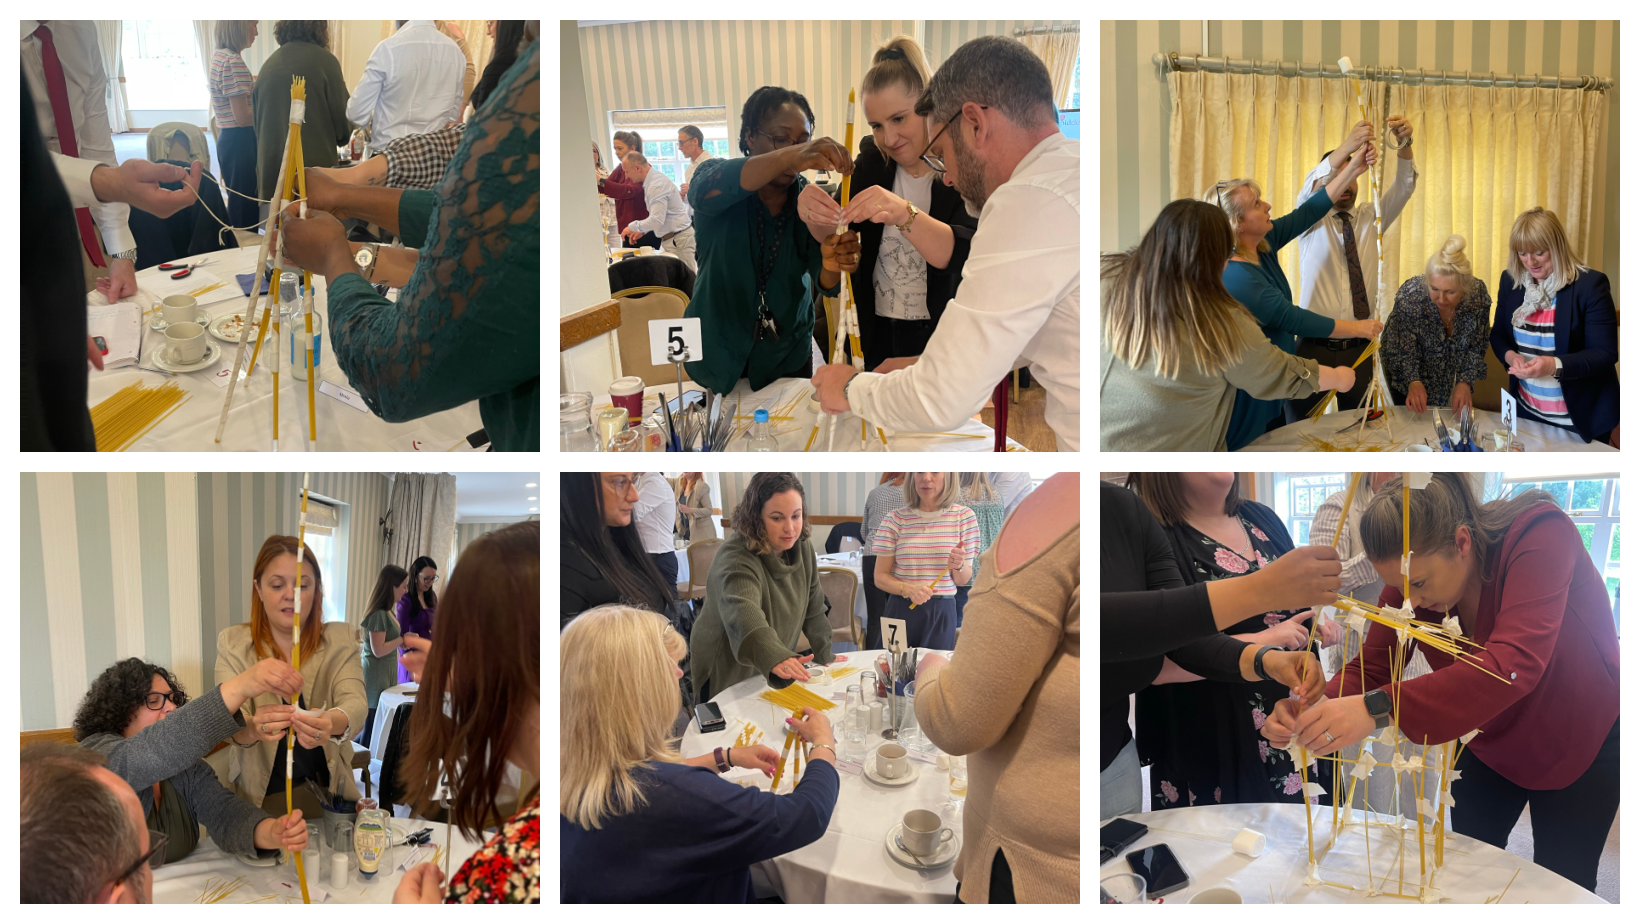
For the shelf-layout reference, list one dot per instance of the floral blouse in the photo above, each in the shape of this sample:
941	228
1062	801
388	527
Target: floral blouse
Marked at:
507	870
1417	348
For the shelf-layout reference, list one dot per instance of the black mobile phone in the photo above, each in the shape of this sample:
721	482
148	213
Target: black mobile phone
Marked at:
709	717
1117	835
1160	869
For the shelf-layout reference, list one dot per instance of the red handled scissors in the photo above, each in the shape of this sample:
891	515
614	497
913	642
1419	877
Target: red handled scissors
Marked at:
186	269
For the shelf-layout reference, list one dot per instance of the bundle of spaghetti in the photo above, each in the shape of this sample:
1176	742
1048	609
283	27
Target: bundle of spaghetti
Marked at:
1436	639
1317	444
795	697
749	735
121	418
838	673
216	890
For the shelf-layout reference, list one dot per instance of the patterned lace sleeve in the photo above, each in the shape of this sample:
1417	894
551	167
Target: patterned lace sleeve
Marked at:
467	324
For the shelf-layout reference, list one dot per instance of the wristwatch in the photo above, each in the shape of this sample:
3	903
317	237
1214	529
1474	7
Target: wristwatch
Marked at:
366	259
1378	706
125	255
912	208
1258	662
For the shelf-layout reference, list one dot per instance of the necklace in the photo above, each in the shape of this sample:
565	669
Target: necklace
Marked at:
765	325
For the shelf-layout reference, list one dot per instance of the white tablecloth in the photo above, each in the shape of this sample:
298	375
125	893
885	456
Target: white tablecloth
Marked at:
793	435
391	699
1473	870
849	863
183	882
192	426
1408	429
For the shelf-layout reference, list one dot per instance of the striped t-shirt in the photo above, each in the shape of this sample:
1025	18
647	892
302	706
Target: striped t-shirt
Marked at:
1542	397
228	76
921	543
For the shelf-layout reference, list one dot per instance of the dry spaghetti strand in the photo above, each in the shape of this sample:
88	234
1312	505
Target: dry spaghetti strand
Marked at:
121	418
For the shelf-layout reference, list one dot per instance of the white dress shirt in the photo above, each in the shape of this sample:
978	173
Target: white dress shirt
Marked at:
1020	303
411	84
87	84
694	162
667	211
656	513
1324	271
1013	486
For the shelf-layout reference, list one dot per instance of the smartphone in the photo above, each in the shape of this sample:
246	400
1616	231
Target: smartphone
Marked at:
689	397
709	717
101	345
1117	835
1160	869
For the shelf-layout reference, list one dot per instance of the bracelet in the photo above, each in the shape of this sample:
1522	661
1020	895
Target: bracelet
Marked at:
717	756
827	747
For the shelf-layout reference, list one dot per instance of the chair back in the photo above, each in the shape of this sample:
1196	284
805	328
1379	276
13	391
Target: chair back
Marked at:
639	306
849	544
178	141
700	555
840	585
834	538
49	735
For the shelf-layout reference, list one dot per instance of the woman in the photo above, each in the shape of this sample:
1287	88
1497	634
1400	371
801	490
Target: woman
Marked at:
229	83
695	508
467	323
1515	575
985	500
914	230
1177	347
381	630
882	500
601	557
762	594
637	822
1561	353
1201	737
415	610
606	205
628	195
757	265
924	550
120	717
486	670
333	680
1256	279
304	51
1434	346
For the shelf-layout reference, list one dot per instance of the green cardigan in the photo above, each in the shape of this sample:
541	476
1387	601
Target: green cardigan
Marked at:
325	126
756	607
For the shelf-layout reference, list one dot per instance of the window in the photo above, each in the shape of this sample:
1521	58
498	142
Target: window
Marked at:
1594	505
162	66
659	130
1299	495
322	538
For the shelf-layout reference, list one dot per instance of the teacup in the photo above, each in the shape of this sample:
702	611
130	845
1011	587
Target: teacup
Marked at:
179	309
891	762
1219	895
922	835
185	343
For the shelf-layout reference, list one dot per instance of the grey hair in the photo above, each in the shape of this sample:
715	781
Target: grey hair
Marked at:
694	133
1220	194
635	157
76	836
992	71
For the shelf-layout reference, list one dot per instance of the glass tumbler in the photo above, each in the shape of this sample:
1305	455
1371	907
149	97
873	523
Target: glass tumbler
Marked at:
575	423
959	780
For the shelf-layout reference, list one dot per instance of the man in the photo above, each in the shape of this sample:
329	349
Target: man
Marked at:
995	137
411	84
655	515
83	837
690	143
1338	260
668	216
66	79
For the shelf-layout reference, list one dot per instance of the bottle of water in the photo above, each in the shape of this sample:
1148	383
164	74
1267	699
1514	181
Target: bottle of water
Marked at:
758	439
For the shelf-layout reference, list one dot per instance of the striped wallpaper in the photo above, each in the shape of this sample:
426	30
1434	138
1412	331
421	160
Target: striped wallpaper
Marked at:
1134	107
467	532
839	494
676	64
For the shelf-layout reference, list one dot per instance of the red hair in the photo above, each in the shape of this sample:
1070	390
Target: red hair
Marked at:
312	621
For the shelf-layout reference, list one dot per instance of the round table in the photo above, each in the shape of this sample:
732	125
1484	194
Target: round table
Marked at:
849	863
184	881
192	426
1404	429
1473	871
391	699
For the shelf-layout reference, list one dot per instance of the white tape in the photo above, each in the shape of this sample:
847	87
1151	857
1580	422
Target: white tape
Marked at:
298	109
1406	564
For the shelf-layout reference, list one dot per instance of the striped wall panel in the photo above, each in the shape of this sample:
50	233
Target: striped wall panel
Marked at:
940	37
828	493
467	532
1134	107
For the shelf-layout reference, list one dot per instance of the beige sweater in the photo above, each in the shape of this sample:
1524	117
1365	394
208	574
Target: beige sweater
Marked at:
332	678
1011	700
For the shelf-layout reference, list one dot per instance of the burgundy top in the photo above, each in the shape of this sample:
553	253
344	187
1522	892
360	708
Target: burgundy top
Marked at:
1547	623
628	196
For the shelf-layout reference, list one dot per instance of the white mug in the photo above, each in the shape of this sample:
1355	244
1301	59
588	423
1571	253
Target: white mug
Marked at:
1220	895
185	342
922	835
891	763
178	309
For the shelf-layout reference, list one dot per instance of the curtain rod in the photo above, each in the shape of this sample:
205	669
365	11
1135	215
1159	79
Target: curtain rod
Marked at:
1178	62
1044	30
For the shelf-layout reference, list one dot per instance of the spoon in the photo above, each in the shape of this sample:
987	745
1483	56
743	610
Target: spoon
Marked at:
916	859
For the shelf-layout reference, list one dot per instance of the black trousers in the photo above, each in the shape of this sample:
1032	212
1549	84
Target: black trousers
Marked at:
876	602
369	726
1569	826
1316	348
667	564
236	152
1002	882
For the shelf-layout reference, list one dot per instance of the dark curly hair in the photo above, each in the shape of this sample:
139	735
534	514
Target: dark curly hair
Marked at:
747	520
314	31
762	102
116	695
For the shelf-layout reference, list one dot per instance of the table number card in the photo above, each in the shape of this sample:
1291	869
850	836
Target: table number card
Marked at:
894	635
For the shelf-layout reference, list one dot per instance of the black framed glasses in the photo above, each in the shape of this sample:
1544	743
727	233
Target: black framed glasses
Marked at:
153	859
156	701
777	142
938	163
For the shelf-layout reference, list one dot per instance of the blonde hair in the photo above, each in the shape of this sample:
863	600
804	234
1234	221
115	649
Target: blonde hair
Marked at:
230	33
1222	195
1450	261
617	701
976	486
950	494
900	62
1540	229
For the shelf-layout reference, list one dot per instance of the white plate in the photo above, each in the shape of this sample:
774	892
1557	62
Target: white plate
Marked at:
944	856
212	354
217	327
871	772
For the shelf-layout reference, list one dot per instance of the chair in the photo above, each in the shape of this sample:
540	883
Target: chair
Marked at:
639	306
840	585
656	270
49	735
834	539
849	544
700	565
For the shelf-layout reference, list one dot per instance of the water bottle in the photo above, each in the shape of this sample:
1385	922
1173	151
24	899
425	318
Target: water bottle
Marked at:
758	439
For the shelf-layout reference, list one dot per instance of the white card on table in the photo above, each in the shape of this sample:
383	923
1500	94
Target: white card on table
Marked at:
894	635
221	377
1511	414
346	396
674	334
849	766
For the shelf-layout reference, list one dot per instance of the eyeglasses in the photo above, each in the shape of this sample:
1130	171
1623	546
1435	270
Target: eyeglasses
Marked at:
620	485
156	701
777	142
154	858
938	163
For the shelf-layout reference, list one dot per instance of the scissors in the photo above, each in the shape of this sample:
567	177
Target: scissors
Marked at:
186	268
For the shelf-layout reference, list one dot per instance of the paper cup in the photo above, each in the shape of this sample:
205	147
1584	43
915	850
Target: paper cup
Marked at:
628	393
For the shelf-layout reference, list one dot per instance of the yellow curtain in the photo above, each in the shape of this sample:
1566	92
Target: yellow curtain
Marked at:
1058	50
1483	156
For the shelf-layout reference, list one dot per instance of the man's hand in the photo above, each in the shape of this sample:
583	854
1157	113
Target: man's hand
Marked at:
897	362
1359	134
121	281
137	182
1417	398
828	382
684	190
631	236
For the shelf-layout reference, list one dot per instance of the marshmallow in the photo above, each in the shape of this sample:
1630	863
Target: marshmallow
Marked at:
1248	843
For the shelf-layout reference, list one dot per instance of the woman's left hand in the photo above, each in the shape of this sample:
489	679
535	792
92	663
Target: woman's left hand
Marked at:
1300	671
310	729
317	243
879	205
1538	367
1462	397
840	253
423	885
957	558
1345	720
287	831
413	654
756	757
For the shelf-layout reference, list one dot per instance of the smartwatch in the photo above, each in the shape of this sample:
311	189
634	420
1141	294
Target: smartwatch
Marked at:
1379	707
1258	662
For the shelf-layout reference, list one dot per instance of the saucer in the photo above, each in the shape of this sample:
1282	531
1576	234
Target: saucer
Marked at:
226	328
871	772
944	856
212	354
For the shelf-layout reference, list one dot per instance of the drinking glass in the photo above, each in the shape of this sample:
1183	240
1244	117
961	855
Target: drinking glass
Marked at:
1122	889
910	734
959	780
626	441
575	423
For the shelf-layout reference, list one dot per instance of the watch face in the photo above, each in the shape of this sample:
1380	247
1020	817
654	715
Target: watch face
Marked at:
362	257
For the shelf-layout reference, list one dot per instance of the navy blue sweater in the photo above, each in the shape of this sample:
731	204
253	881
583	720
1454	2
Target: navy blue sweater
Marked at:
694	839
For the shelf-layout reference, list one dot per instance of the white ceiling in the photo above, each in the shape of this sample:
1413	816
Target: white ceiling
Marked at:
483	495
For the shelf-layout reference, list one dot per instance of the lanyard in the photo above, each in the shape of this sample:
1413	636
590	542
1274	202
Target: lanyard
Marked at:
766	325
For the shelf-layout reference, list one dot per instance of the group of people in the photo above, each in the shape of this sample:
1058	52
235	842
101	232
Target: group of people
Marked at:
462	197
1204	348
1205	608
639	824
641	205
98	817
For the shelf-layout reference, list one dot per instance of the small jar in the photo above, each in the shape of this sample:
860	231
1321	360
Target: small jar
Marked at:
611	420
